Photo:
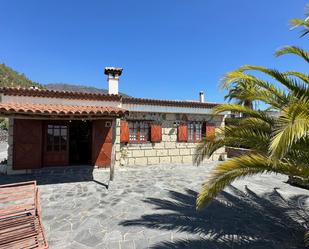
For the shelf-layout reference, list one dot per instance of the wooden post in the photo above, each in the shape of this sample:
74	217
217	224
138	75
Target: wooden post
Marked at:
113	156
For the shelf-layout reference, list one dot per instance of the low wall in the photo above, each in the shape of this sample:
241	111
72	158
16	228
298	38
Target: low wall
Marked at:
234	152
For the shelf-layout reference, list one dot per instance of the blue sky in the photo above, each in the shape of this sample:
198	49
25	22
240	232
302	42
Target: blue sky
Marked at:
169	49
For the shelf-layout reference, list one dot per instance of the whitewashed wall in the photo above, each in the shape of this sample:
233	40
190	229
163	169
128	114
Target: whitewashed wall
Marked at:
57	101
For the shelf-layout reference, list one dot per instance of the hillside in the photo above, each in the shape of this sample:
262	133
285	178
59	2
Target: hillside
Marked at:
11	78
76	88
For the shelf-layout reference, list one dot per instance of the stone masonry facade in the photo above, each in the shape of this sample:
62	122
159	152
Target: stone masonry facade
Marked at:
169	150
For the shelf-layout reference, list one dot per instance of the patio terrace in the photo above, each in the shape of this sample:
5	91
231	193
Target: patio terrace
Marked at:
154	207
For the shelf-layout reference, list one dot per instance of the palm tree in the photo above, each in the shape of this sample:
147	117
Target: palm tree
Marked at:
276	144
241	93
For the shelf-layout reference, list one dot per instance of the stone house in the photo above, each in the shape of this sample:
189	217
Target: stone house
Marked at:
59	128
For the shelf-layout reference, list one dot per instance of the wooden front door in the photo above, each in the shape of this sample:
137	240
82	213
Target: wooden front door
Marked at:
56	146
102	143
27	144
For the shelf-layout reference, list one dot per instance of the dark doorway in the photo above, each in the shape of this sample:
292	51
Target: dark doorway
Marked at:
80	142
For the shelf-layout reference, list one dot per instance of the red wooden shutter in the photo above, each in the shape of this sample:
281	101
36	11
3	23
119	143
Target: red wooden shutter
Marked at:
156	133
182	133
210	131
102	143
124	131
27	144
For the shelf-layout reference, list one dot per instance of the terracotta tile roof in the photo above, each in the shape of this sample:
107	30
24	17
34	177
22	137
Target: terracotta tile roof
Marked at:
100	96
14	91
179	103
60	110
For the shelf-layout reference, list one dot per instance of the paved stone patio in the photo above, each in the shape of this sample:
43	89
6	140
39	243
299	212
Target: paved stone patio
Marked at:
154	207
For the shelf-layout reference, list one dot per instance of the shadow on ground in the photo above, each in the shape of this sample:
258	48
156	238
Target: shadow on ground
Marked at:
54	175
236	219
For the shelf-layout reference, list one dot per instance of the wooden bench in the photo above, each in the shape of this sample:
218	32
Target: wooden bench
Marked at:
20	217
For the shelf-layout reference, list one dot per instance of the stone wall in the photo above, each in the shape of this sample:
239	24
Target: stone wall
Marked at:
169	151
10	150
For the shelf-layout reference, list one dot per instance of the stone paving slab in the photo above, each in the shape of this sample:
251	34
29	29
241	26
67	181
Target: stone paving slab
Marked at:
154	207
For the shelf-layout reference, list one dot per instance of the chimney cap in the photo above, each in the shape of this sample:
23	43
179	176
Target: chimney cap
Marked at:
113	70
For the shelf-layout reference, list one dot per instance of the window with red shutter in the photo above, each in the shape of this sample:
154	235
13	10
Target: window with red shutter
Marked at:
133	131
138	131
156	133
198	131
194	132
191	132
143	132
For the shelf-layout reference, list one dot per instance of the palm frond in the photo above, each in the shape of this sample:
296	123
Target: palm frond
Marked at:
251	133
205	149
298	87
260	95
226	172
296	22
256	123
247	137
242	109
232	77
292	125
236	79
304	77
293	50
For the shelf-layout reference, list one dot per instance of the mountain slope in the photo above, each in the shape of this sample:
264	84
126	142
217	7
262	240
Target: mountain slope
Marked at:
12	78
77	88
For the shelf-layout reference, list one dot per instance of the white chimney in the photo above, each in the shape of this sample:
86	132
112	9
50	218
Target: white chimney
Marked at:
113	74
202	97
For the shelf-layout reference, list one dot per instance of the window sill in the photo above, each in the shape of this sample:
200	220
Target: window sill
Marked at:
137	142
140	145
